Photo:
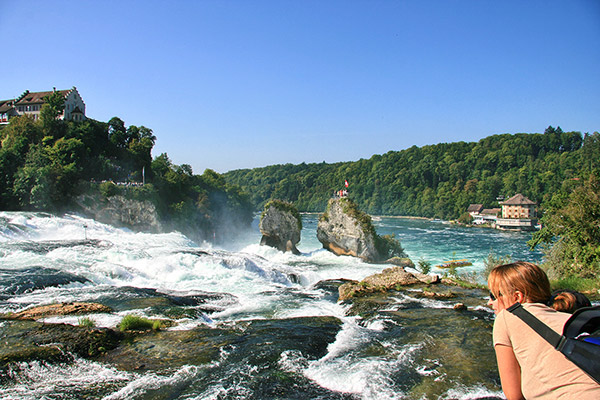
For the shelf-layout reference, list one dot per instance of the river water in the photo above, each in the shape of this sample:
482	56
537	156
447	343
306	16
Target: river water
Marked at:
277	332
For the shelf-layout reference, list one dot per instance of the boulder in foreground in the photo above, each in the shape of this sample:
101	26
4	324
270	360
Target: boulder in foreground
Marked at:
388	279
58	309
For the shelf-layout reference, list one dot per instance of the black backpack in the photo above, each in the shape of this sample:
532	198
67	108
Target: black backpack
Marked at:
580	340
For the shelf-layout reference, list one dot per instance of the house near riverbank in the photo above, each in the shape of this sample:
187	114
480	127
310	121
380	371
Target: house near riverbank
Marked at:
475	209
486	216
30	103
518	213
483	215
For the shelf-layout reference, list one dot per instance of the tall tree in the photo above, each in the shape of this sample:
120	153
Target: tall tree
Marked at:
571	231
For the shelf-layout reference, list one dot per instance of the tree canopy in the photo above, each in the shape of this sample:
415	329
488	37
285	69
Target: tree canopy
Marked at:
46	163
571	231
434	181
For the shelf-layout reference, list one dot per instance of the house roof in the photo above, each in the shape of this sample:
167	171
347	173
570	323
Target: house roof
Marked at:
475	208
6	105
37	97
517	199
490	211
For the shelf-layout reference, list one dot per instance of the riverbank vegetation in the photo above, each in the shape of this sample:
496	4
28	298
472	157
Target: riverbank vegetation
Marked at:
570	235
46	163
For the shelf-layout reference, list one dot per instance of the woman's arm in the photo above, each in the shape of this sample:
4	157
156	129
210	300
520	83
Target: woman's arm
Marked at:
510	372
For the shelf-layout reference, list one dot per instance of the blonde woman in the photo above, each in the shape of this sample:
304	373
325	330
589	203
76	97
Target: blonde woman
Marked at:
529	366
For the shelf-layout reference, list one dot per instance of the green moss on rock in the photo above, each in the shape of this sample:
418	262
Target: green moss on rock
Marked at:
285	207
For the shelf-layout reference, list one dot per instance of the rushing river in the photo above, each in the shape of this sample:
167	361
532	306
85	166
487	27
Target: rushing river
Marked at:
277	332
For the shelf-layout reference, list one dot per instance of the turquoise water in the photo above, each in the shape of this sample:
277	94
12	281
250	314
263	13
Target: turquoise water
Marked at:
435	241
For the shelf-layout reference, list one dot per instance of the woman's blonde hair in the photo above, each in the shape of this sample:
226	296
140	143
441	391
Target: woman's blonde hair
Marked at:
521	276
565	302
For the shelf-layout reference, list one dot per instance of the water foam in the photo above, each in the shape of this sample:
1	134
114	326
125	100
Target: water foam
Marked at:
344	369
37	380
151	385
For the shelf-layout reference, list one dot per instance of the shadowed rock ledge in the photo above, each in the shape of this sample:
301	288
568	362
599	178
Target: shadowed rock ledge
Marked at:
280	225
139	215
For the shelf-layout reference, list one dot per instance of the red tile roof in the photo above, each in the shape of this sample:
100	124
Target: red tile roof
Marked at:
475	208
517	199
37	97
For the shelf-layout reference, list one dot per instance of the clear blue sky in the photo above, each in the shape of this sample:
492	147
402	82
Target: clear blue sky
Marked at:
241	84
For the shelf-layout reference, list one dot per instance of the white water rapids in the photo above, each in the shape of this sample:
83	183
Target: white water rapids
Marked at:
265	283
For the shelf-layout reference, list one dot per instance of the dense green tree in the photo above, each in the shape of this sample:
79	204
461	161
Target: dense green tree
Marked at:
52	109
434	181
571	225
117	133
45	164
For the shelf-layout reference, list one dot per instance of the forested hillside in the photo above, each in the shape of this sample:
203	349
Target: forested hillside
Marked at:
435	181
46	163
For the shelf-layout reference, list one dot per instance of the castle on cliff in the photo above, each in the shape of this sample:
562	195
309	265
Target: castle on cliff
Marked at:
30	103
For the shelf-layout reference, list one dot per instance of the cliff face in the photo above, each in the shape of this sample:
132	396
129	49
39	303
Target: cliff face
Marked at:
280	227
121	212
346	233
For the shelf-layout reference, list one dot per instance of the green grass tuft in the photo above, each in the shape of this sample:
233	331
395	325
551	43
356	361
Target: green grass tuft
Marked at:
132	322
86	322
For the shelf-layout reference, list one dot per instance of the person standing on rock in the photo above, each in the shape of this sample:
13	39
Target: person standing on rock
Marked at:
529	366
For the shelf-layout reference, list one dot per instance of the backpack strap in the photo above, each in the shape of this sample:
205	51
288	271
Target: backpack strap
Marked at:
581	353
542	329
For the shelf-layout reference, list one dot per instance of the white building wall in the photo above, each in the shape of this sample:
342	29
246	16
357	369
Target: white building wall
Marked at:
72	101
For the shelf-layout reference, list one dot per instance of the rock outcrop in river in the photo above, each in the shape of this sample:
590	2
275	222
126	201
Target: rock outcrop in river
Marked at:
280	225
139	215
388	279
345	230
59	309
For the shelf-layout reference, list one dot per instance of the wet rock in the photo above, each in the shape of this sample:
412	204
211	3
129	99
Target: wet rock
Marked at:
345	230
369	305
83	341
129	298
459	307
254	342
280	225
58	309
19	281
331	287
403	262
332	284
388	279
438	295
16	349
30	340
46	246
140	215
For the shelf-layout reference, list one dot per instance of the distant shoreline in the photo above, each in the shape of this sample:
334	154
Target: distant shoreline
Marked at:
376	216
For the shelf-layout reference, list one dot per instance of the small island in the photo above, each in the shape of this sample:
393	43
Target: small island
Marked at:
280	226
345	230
